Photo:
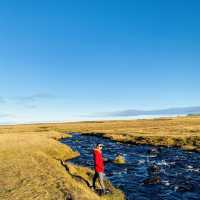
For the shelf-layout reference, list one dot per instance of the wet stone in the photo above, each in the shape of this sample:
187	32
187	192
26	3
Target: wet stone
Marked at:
184	187
153	180
154	169
154	151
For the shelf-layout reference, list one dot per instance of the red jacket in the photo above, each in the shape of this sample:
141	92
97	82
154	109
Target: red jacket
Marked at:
98	160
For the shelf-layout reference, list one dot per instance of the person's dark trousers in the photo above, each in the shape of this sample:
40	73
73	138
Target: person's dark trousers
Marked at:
100	176
94	180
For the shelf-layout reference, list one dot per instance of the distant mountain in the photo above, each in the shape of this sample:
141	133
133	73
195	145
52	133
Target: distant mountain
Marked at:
169	111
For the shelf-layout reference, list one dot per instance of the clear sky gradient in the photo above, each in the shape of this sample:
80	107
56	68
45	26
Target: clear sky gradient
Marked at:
65	60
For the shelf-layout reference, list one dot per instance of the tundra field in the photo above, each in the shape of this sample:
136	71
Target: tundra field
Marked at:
34	165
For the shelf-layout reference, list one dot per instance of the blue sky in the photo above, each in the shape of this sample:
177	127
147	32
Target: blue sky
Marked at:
65	60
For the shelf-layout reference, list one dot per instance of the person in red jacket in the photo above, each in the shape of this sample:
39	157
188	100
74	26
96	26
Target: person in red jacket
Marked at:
99	166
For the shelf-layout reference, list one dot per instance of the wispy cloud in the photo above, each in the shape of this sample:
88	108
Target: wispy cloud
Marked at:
36	97
7	116
132	112
31	101
2	100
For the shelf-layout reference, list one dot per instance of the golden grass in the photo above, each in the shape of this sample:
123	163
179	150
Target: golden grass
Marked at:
30	167
88	174
182	132
30	156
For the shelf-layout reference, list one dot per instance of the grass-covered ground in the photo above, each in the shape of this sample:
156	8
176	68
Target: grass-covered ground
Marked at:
30	156
181	132
31	168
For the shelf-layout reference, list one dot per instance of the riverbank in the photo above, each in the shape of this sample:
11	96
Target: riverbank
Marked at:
183	132
32	166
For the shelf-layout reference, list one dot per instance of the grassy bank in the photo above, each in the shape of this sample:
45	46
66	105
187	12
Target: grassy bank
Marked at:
30	156
181	132
31	168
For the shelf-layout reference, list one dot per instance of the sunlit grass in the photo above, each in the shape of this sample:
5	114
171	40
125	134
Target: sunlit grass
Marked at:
30	156
182	132
30	166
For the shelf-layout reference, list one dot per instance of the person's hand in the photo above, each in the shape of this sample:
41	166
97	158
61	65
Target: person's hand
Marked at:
106	160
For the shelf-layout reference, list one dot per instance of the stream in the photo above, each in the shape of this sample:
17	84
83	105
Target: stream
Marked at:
150	173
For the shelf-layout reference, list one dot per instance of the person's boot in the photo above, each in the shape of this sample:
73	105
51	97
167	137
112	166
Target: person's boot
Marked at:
103	191
106	191
93	188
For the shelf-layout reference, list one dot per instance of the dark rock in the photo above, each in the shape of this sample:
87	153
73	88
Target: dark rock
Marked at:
154	151
184	187
154	169
154	180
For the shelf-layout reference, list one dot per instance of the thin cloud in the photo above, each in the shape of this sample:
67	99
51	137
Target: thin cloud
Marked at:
7	116
2	100
31	106
169	111
36	97
29	101
32	101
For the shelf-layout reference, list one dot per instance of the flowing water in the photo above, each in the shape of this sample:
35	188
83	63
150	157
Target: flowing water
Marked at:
177	172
